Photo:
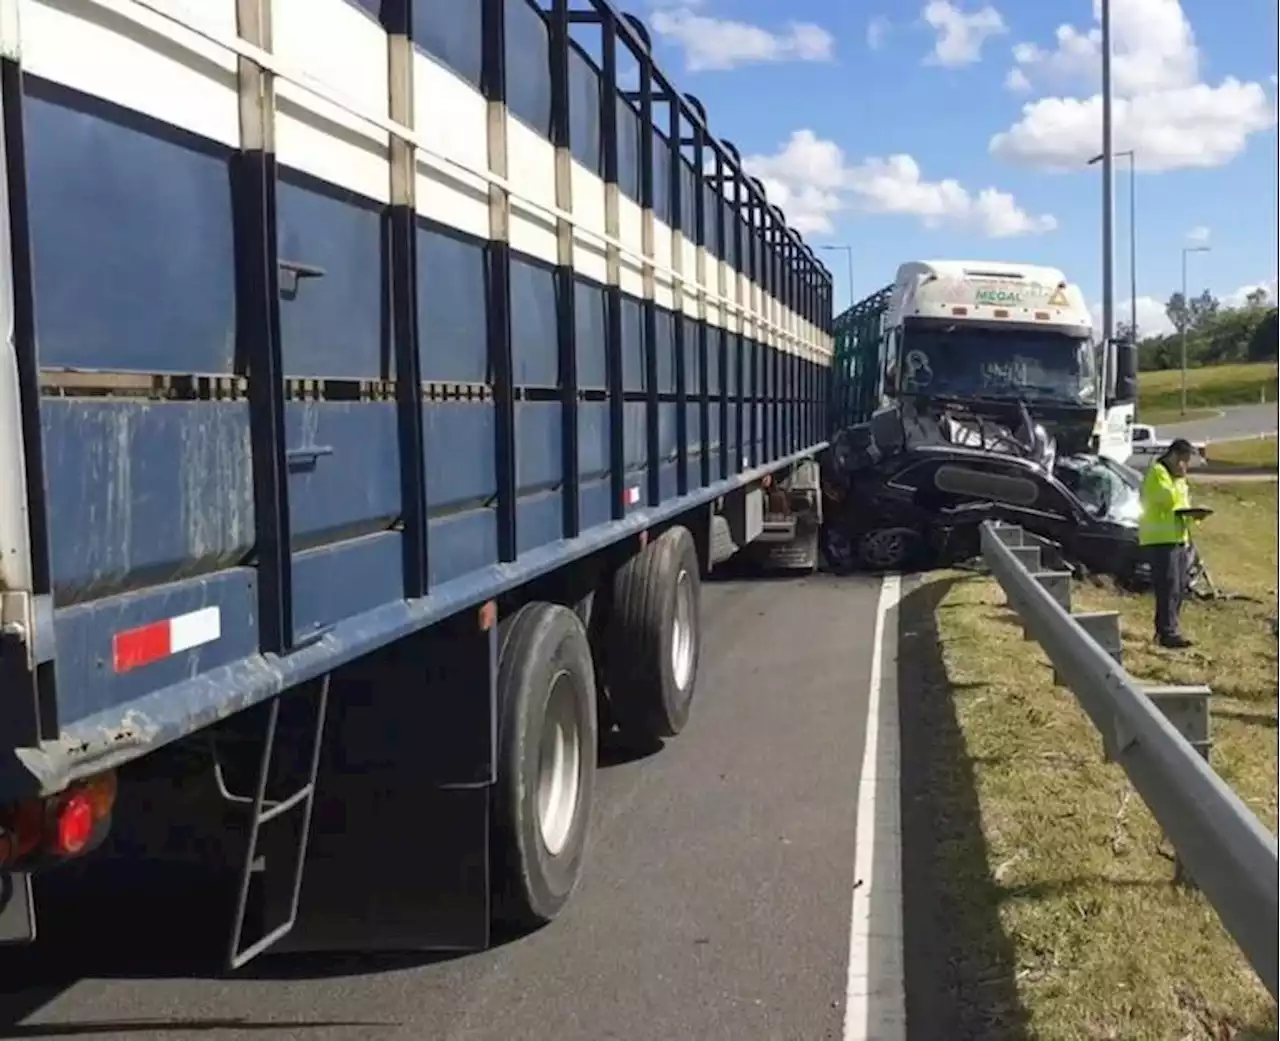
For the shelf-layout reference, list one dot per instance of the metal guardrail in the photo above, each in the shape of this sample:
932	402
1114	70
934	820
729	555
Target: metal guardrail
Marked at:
1230	856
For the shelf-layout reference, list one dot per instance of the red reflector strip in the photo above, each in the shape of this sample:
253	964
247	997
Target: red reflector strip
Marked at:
135	648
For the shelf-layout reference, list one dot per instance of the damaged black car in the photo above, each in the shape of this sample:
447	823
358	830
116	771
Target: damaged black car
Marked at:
909	489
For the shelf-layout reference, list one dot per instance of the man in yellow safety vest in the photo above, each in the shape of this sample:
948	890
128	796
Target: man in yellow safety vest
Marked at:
1163	535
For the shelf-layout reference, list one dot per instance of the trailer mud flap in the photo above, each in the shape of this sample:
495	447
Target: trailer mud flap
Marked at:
17	909
398	856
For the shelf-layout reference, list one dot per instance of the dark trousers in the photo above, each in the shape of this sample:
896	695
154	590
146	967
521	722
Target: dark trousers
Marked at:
1169	565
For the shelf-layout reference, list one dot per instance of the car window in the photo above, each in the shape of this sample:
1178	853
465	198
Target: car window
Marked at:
1141	434
987	483
915	476
1105	488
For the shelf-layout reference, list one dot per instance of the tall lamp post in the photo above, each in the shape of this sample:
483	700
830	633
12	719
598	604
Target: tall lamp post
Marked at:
848	252
1133	238
1108	196
1186	304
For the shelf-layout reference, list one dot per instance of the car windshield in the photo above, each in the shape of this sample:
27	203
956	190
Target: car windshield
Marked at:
1106	488
1026	364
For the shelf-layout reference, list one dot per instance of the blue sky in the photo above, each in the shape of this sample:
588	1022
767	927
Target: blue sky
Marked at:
911	129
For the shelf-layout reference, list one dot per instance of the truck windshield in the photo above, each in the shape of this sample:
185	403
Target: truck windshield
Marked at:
963	361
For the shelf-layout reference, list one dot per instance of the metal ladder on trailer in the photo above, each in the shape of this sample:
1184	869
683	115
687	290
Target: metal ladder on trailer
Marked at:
264	810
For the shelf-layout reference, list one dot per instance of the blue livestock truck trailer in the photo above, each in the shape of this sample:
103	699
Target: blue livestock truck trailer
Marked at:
381	379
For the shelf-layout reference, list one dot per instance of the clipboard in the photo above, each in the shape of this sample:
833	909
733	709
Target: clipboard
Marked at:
1194	513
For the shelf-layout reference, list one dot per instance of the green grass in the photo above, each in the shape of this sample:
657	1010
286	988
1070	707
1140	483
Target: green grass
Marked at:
1256	453
1213	387
1070	861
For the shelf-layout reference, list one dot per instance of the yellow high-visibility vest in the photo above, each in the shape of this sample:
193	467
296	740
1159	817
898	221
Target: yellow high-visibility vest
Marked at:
1162	494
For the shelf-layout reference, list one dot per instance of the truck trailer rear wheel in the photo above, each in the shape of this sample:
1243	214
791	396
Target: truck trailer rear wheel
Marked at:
546	762
654	637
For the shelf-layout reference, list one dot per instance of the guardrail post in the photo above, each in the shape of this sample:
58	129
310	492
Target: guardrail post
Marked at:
1027	556
1056	583
1187	708
1050	552
1010	534
1103	628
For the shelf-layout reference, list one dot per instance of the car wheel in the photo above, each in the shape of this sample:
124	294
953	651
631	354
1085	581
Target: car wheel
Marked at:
887	549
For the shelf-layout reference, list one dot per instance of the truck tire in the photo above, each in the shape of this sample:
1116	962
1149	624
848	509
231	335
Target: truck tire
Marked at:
653	638
547	735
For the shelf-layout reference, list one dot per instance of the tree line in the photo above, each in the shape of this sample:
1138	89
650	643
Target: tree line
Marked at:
1216	335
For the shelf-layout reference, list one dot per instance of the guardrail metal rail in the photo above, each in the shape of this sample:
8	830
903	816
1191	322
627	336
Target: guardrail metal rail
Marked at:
1159	735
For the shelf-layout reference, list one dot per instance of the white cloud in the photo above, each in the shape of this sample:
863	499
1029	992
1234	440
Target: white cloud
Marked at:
811	180
1152	321
878	32
1163	109
1198	235
960	36
1017	81
716	44
1241	296
1197	126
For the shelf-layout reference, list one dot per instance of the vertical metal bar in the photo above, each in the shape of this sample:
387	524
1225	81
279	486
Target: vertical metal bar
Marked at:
675	195
566	288
649	311
397	20
258	327
765	281
722	288
748	264
498	267
609	130
700	271
781	345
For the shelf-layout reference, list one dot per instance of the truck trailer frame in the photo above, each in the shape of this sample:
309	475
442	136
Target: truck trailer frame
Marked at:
381	379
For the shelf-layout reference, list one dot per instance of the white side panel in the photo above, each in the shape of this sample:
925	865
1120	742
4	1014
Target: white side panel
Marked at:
531	162
690	259
144	62
588	212
452	117
630	234
330	40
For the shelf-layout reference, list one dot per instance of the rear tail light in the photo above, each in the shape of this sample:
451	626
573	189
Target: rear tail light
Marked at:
62	825
74	826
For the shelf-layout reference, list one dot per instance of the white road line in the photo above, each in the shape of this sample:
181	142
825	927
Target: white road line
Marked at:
875	1001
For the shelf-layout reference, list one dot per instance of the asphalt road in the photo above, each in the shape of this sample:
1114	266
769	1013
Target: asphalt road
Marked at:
1237	421
716	905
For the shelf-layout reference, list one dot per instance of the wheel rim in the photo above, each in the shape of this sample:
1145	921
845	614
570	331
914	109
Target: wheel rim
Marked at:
682	633
559	765
885	548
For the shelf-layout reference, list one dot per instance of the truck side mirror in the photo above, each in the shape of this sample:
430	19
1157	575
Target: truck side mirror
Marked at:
1126	388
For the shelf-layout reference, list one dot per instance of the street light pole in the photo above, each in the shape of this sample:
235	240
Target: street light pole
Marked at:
1108	199
1186	317
848	252
1133	236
